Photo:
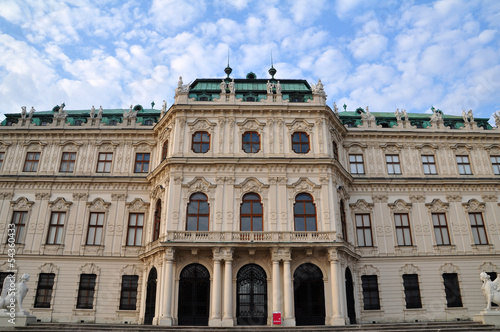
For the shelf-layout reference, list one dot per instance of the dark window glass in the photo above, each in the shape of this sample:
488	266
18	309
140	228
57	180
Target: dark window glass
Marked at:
31	162
304	211
463	165
371	299
56	228
128	297
441	229
104	162
2	157
157	221
141	163
403	232
343	221
477	227
86	291
364	230
429	165
495	162
135	225
251	213
201	142
67	162
452	290
164	150
300	142
335	151
356	163
412	291
19	220
44	290
96	225
198	211
4	275
251	142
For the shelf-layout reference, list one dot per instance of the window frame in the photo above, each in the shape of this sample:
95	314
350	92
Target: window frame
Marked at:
441	228
94	228
463	164
301	143
198	215
476	229
137	240
58	227
304	216
86	291
335	148
356	166
495	163
362	230
44	289
413	297
142	165
31	161
452	290
20	227
252	215
429	166
201	142
402	229
2	159
157	221
393	164
343	220
102	164
128	288
371	294
251	143
164	150
67	163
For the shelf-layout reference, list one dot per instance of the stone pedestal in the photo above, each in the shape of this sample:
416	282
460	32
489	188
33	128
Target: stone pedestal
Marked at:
18	319
490	317
166	321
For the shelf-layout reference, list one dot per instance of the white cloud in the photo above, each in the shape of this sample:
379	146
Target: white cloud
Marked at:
173	14
306	11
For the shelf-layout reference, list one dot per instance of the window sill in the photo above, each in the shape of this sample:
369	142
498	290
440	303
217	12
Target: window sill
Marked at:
482	248
52	249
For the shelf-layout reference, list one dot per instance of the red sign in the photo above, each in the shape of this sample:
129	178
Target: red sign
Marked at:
277	318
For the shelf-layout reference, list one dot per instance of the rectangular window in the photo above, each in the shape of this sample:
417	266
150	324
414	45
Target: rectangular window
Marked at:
104	162
356	162
19	220
86	291
67	162
477	227
364	230
452	290
135	225
441	229
495	162
31	162
393	166
44	290
463	165
403	232
2	157
412	291
141	163
371	299
56	228
429	165
128	297
96	224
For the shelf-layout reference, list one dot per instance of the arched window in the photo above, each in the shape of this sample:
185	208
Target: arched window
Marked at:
156	221
300	142
343	222
304	212
251	215
201	142
198	212
164	150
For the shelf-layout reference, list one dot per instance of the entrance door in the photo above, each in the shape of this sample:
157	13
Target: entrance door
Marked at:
349	290
309	295
251	296
150	298
194	295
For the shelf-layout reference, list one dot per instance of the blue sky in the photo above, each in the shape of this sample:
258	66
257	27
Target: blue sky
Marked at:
384	54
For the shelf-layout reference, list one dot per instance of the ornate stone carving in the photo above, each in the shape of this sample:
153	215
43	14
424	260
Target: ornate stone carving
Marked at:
40	196
409	269
223	253
361	206
118	197
59	204
300	125
437	206
80	196
98	205
137	205
303	185
199	184
454	198
281	254
251	185
380	198
490	289
489	198
474	205
22	203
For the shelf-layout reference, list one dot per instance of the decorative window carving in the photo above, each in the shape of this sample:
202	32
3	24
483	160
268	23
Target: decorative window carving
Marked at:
201	142
300	142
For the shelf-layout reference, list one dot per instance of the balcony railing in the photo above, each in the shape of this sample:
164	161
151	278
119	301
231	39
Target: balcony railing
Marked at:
243	237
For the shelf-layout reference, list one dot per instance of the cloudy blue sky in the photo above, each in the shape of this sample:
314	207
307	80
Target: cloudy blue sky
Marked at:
385	54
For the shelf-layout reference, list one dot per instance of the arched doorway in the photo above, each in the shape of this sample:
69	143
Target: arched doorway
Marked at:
251	307
194	295
349	292
150	297
309	295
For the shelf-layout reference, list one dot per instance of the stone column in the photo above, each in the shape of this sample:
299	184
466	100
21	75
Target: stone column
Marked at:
227	319
276	286
288	319
166	315
215	318
335	272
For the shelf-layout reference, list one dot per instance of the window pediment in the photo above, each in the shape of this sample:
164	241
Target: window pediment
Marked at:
474	205
361	206
22	203
201	125
60	204
98	205
300	125
400	206
251	125
437	206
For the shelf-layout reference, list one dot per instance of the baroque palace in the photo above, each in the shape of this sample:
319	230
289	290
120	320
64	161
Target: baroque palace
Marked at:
246	199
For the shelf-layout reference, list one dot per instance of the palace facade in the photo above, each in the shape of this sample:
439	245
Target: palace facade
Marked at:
249	197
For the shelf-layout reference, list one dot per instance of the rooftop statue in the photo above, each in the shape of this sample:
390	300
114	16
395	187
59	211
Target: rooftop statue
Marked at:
32	110
23	112
491	289
497	119
99	114
223	87
278	87
92	112
269	87
232	86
